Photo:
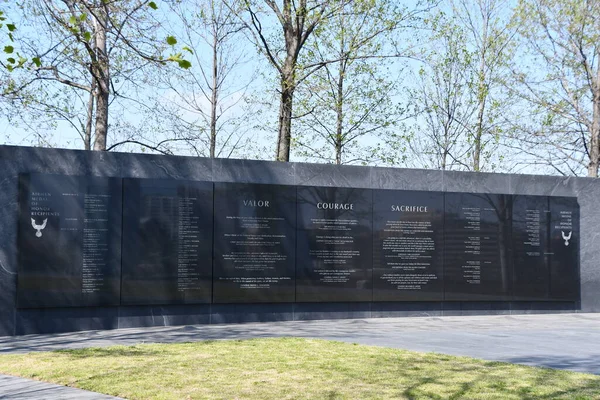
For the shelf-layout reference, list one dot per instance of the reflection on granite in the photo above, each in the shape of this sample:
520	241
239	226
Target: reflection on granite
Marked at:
477	257
254	243
334	245
167	242
407	179
588	193
252	171
543	185
332	175
408	245
476	182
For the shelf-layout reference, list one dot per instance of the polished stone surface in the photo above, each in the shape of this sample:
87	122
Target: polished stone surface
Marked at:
407	179
253	171
477	264
16	160
476	182
243	313
407	309
470	308
334	245
338	310
564	242
254	243
531	248
350	176
588	193
9	214
53	320
69	241
563	341
542	185
408	245
167	237
163	315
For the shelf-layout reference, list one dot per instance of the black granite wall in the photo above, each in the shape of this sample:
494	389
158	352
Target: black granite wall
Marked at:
16	160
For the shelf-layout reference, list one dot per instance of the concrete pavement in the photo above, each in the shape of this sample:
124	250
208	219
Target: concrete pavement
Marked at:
25	389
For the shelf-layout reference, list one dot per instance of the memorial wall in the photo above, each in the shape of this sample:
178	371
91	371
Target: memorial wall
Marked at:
104	240
97	241
167	231
69	240
408	246
255	243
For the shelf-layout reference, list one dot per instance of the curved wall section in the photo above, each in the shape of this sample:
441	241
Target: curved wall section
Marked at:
141	240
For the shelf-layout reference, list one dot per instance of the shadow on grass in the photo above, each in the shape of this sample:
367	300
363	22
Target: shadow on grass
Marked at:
590	363
553	382
176	334
334	370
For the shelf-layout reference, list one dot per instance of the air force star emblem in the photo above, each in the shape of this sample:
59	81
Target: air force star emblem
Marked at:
566	238
37	227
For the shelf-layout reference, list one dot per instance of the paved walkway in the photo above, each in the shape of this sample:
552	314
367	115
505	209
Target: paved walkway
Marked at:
21	389
565	341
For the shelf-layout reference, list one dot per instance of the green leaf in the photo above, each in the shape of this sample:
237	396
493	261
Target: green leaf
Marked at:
9	49
37	61
87	36
171	40
185	64
83	17
188	49
11	27
11	60
153	5
72	20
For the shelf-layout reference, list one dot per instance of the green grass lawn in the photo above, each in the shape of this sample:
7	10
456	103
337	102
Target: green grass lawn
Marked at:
292	368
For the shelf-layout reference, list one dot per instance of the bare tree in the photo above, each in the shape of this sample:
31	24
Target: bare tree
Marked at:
559	78
350	97
445	102
297	20
87	50
207	100
489	34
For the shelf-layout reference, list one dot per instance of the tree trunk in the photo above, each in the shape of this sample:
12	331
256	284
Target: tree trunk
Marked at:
338	151
87	140
595	139
444	157
445	148
478	135
482	91
288	86
101	127
102	76
214	99
481	98
285	113
339	110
